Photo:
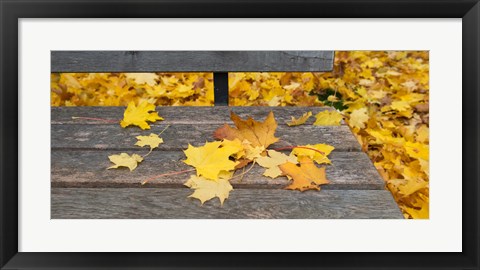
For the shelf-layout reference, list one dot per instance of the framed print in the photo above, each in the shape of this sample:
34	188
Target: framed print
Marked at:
137	179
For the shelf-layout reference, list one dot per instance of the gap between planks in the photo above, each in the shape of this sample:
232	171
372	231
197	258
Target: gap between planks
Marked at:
178	137
349	170
183	114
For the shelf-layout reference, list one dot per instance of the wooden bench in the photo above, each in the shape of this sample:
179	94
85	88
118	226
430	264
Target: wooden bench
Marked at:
83	188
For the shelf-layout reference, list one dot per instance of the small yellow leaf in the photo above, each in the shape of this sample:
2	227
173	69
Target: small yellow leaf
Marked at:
272	162
139	116
152	140
358	118
208	189
332	98
301	120
328	118
124	160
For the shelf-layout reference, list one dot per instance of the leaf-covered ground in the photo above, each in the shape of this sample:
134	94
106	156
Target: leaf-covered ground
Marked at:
119	89
384	97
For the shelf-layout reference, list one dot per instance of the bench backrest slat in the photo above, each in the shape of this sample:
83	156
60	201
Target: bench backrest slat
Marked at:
218	62
191	61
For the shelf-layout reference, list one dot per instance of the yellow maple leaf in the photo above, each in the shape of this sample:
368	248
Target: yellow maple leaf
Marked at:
411	186
328	118
320	158
152	140
400	106
139	116
143	78
206	189
300	121
125	160
182	91
306	176
272	162
417	150
257	133
211	159
358	118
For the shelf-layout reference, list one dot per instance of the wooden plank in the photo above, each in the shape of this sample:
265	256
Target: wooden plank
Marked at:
159	203
349	170
177	137
190	61
184	115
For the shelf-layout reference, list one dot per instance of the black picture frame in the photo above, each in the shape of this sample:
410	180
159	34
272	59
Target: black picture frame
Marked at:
11	11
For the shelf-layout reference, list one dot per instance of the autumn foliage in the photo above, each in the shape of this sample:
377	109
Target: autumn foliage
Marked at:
382	95
119	89
216	162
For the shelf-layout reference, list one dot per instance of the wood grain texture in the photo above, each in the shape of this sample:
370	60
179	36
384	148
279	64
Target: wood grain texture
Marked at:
190	61
80	150
160	203
184	115
349	170
177	137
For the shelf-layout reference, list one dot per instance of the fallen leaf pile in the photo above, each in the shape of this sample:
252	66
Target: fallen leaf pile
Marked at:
119	89
217	161
383	96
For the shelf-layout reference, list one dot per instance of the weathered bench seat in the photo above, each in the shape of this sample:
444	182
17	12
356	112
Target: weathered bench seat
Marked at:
82	187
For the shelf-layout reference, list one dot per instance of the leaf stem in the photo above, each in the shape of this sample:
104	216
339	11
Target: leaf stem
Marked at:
166	174
297	146
245	172
163	130
95	119
149	152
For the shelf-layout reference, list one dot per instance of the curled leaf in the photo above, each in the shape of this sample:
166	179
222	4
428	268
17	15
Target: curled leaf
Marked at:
300	121
328	118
